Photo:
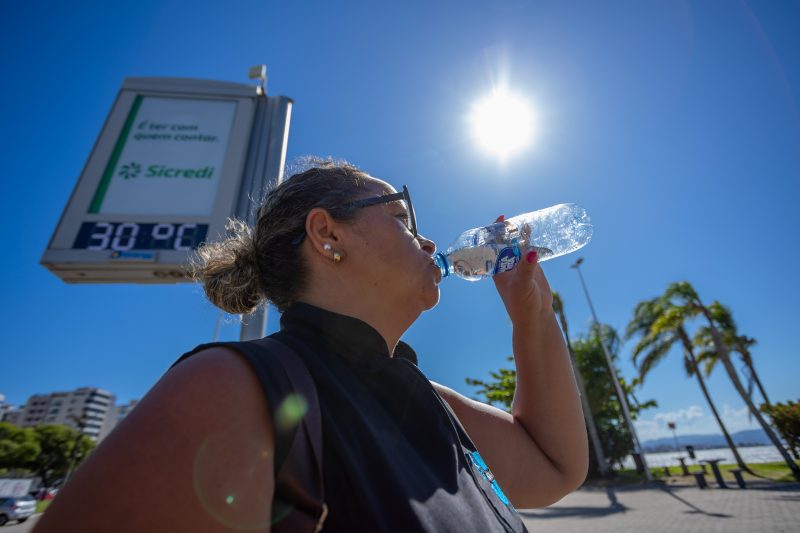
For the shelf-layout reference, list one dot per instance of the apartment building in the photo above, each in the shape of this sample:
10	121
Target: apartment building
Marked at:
89	409
8	413
4	407
121	411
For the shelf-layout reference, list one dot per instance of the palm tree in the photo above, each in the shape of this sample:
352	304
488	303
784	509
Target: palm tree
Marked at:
661	326
558	307
736	343
684	294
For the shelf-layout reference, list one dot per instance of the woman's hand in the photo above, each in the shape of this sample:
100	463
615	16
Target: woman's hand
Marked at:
525	291
538	451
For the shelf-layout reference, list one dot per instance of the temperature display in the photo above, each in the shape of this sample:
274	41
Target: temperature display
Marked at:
124	236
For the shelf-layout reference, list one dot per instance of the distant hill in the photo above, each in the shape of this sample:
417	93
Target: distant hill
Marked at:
749	437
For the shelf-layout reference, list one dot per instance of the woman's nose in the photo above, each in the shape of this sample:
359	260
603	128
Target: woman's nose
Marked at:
427	244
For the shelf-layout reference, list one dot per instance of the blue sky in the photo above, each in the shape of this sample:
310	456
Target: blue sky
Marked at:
676	124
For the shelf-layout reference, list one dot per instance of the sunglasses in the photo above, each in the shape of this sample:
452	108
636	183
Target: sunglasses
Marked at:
377	200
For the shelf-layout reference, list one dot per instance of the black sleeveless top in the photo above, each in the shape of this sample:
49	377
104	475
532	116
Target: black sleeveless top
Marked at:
395	456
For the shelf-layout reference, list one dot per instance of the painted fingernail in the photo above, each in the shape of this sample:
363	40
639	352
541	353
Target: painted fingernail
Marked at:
531	257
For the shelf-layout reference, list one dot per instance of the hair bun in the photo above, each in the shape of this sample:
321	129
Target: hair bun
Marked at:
228	270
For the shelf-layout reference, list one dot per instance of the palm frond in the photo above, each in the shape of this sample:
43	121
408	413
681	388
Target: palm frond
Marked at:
745	341
702	337
682	291
722	316
671	319
644	345
708	358
742	344
658	350
644	315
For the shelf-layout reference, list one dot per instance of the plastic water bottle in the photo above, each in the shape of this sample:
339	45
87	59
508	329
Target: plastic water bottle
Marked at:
483	252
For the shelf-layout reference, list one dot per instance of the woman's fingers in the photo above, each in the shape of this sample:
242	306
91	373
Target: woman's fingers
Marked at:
527	263
524	282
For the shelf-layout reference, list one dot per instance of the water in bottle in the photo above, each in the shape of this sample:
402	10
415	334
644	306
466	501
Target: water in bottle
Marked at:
483	252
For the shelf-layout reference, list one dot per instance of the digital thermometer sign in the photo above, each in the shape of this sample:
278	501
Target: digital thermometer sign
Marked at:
175	159
125	236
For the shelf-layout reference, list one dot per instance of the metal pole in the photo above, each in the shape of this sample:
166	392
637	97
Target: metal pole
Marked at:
254	325
671	425
614	378
266	157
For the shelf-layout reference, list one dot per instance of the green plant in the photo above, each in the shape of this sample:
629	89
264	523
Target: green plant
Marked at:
786	418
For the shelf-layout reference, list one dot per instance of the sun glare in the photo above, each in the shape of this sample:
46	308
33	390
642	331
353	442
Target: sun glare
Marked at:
502	123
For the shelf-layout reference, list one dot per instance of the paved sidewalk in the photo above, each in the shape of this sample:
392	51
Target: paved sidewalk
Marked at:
25	527
657	507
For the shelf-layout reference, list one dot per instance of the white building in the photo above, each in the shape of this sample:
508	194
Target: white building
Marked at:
8	413
12	416
89	409
4	407
121	411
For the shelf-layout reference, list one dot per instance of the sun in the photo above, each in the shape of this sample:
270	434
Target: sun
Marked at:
502	123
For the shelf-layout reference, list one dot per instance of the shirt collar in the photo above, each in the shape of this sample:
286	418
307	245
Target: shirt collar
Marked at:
349	337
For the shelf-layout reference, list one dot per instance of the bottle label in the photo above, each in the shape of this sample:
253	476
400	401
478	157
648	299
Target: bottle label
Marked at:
507	259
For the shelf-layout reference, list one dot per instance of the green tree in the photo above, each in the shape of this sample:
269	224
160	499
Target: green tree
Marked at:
684	295
499	389
735	343
18	447
786	417
660	326
57	445
604	402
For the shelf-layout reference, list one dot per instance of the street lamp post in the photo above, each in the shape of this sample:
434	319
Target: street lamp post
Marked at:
614	378
671	425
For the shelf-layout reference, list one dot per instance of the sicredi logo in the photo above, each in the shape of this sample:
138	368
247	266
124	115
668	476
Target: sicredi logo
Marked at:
131	170
134	170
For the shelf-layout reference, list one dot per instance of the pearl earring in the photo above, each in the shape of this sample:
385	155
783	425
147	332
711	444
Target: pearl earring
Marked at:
326	247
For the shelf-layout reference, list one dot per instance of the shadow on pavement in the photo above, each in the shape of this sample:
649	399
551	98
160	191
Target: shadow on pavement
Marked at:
784	487
793	488
693	508
788	498
614	506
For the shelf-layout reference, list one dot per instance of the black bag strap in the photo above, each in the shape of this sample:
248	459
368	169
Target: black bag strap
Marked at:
300	475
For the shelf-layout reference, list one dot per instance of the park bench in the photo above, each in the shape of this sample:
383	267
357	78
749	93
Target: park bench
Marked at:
684	468
737	473
714	463
700	477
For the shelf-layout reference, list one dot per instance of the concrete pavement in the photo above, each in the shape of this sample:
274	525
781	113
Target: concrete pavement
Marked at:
14	527
659	507
655	508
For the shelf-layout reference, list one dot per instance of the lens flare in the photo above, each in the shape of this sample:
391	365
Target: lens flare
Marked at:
230	488
291	411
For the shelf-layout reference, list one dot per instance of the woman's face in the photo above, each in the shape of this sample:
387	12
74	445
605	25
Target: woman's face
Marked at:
389	258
